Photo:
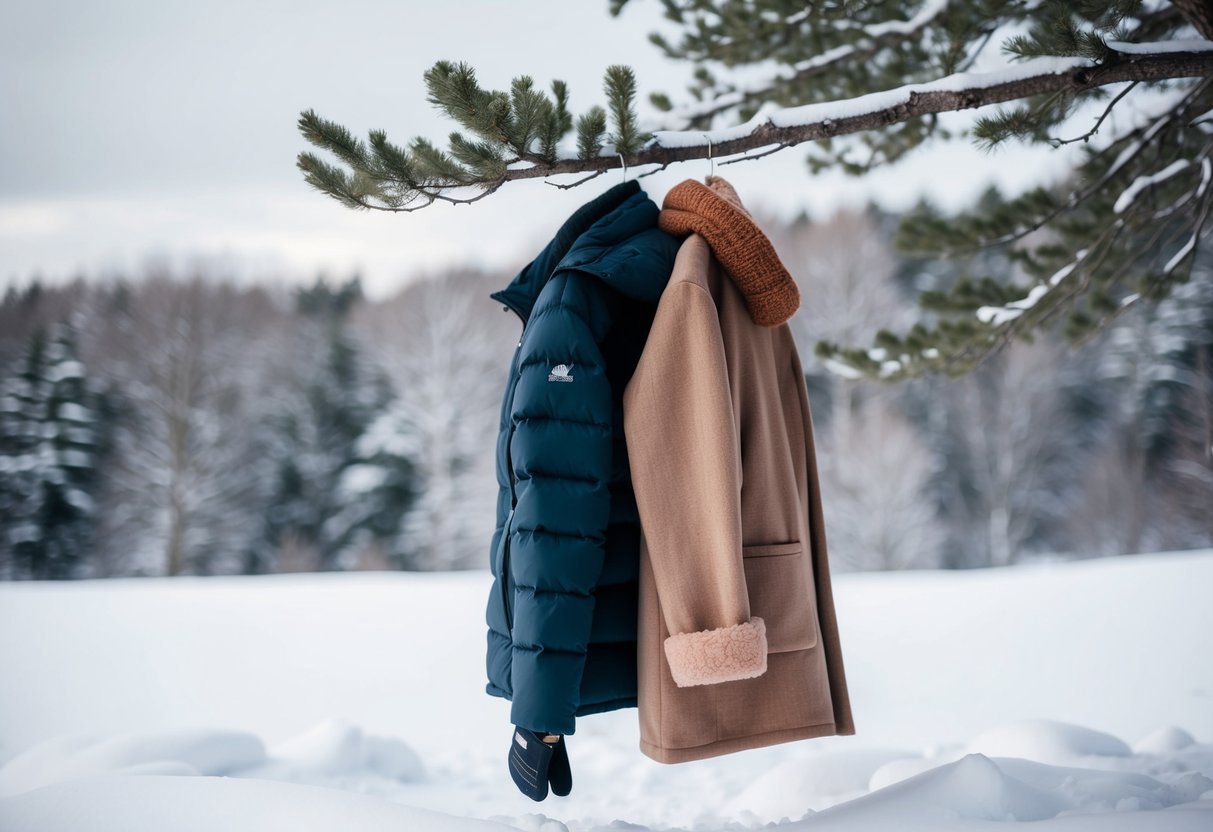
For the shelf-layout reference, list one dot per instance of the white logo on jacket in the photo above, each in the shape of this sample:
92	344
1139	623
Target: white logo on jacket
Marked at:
560	373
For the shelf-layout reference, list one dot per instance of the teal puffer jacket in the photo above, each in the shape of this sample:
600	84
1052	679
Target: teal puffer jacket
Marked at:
561	612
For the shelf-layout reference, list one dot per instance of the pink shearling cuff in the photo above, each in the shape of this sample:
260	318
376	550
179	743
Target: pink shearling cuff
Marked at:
708	657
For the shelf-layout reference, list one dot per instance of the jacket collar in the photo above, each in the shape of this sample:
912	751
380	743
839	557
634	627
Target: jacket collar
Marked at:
715	212
521	292
626	251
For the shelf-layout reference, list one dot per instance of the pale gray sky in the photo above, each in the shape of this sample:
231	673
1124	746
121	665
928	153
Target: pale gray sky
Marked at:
146	129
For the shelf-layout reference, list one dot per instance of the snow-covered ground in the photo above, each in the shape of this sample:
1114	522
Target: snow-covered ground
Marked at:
1078	695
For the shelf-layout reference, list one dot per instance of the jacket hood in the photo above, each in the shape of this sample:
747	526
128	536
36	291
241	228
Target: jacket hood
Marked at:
714	211
614	238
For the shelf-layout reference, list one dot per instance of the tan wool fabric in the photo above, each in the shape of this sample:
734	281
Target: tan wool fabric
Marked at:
738	640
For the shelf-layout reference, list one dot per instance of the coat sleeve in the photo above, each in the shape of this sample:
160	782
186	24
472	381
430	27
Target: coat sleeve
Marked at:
561	456
685	461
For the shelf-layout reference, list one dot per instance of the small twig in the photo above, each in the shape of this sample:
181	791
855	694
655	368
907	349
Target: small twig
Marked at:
1203	156
1076	197
1012	328
1129	303
653	171
1087	135
976	52
431	198
748	157
581	181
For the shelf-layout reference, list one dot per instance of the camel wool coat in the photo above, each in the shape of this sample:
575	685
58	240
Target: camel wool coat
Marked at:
738	645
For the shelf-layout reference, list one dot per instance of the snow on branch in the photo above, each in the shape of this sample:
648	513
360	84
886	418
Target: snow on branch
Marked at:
1142	182
1190	246
999	315
961	90
771	129
874	36
775	128
1159	47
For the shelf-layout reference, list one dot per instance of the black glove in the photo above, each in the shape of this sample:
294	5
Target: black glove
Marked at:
535	763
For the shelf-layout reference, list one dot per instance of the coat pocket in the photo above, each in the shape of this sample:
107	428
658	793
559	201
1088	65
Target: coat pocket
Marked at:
503	572
780	586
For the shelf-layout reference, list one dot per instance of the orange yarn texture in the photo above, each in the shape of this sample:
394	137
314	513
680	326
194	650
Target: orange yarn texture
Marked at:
714	212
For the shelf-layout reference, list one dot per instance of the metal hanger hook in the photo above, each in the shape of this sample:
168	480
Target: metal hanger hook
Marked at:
625	167
711	161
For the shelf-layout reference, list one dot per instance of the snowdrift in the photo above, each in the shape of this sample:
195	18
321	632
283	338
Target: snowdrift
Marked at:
1073	696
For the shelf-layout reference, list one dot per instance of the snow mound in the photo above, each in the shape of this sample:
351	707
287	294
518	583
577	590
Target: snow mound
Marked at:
1165	741
895	771
539	822
792	786
334	752
1098	790
976	789
972	788
965	796
194	751
1047	741
336	747
216	804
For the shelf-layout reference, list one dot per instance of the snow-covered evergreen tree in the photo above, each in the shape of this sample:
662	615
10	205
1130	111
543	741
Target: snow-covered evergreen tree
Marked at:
377	490
442	341
1153	392
322	396
1187	471
50	438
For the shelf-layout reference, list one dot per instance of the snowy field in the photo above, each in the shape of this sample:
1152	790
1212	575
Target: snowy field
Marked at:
1077	695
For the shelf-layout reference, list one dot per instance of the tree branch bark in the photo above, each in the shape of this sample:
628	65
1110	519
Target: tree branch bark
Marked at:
917	102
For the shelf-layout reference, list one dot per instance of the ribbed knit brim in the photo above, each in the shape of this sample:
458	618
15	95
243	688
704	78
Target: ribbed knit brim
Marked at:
715	212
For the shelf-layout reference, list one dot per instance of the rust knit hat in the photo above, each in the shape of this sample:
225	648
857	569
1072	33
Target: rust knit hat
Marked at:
715	212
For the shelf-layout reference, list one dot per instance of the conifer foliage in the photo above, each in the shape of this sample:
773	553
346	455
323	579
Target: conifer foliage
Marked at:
326	500
522	125
861	84
50	437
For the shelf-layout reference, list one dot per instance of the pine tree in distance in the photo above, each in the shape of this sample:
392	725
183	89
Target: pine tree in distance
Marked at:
861	84
49	443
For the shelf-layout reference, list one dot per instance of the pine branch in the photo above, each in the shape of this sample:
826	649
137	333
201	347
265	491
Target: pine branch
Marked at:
1040	206
331	136
785	128
1107	257
621	93
819	65
529	115
453	88
557	120
590	130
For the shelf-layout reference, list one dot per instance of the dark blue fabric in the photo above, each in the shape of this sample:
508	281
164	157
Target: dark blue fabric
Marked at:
562	620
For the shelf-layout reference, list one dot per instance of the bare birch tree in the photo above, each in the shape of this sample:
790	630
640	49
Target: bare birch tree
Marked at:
445	344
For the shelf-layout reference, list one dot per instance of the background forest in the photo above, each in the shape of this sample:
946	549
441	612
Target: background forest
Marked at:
186	423
251	379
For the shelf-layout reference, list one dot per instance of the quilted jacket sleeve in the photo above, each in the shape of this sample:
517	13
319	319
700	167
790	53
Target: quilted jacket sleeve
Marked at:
561	456
686	471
